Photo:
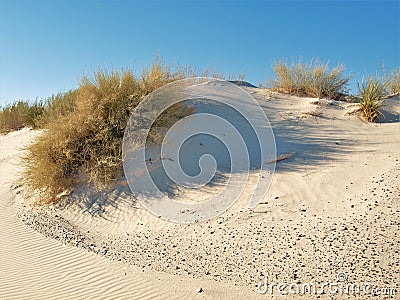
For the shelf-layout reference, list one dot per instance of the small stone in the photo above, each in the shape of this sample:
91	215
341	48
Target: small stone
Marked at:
200	290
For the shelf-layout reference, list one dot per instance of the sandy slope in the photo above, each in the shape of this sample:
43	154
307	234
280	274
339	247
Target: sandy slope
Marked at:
333	207
35	267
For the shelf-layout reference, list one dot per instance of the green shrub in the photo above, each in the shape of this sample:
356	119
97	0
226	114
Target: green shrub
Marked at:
310	79
86	144
371	93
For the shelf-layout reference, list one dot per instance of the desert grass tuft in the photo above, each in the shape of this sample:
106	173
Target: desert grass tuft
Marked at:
310	79
372	92
86	143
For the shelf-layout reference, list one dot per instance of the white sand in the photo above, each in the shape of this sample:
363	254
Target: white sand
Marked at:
36	267
333	207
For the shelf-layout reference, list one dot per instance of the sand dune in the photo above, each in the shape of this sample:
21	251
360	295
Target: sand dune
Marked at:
36	267
333	207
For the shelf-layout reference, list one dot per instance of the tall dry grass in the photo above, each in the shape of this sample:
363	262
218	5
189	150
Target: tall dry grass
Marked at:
20	114
393	82
311	79
56	107
37	114
86	144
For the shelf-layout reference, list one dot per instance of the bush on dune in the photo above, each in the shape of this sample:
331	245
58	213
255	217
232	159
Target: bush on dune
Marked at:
310	79
38	114
86	144
19	115
372	92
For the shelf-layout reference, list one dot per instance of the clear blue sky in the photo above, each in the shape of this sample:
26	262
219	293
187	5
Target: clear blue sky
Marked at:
46	45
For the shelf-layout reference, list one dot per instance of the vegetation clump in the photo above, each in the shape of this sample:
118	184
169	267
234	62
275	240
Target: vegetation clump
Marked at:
372	92
310	79
393	82
19	114
84	141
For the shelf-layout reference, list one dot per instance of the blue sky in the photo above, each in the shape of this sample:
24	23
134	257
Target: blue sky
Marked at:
47	45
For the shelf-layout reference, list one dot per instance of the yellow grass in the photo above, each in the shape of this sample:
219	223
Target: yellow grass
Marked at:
86	143
312	79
